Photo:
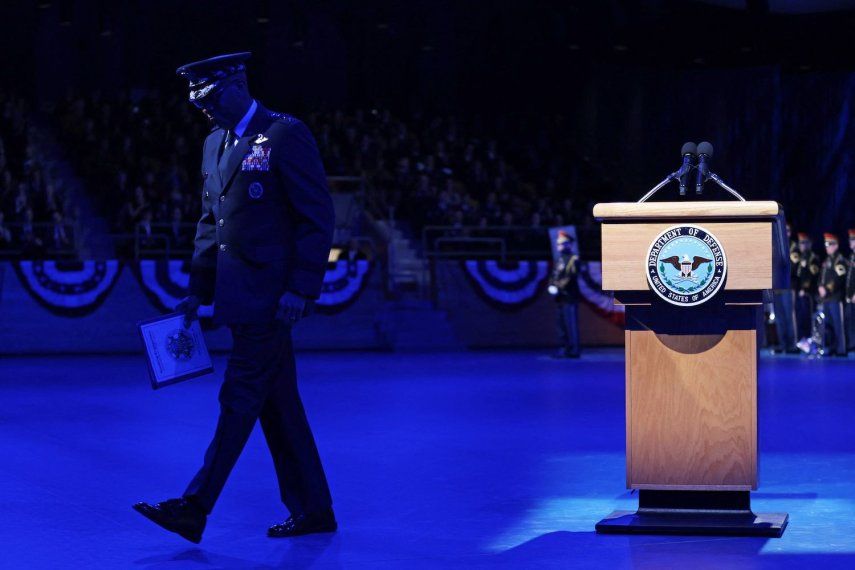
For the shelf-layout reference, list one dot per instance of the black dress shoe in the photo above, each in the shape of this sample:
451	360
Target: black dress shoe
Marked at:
176	515
323	521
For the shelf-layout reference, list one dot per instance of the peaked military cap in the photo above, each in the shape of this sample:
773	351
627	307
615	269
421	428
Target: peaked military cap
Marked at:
208	75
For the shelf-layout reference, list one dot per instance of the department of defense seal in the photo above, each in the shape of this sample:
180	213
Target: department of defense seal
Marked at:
180	345
686	265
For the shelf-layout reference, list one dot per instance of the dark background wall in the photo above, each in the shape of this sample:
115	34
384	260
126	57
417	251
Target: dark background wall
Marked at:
769	83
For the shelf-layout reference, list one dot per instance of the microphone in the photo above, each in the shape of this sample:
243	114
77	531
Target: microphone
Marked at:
688	152
705	154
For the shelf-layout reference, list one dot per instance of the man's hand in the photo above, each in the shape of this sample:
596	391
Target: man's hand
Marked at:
189	306
291	307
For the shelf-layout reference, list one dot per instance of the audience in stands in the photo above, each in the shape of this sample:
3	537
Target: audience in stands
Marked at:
142	157
32	204
436	170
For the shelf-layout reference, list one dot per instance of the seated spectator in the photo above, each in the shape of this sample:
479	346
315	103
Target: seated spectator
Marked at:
5	233
60	236
145	231
180	235
31	244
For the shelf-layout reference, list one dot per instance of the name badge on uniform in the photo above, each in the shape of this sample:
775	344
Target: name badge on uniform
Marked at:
258	159
256	190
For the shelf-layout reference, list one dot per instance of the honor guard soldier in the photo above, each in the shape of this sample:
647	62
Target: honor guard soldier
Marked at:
564	285
850	294
805	285
261	249
832	284
785	305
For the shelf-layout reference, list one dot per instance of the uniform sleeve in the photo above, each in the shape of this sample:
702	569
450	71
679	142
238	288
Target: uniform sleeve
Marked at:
850	278
299	164
203	267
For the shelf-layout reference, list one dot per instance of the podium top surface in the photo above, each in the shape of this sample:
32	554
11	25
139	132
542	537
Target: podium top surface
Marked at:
664	210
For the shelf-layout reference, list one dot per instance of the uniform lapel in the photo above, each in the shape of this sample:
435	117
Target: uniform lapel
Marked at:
228	168
215	161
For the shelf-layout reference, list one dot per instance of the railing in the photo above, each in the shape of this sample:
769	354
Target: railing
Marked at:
161	244
496	242
342	183
162	241
42	244
514	242
489	241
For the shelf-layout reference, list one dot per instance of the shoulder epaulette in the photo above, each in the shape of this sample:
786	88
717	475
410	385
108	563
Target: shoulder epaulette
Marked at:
283	118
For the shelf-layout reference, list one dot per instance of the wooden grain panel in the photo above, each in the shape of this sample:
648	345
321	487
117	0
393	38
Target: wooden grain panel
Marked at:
628	387
692	411
701	209
747	245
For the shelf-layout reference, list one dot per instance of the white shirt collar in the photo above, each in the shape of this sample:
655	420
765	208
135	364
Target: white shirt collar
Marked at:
241	127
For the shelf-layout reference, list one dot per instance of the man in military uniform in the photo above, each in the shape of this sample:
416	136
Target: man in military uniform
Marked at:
784	303
564	285
832	285
805	284
261	248
850	294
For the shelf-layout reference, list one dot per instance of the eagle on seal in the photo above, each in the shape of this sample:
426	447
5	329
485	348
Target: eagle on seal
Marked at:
686	267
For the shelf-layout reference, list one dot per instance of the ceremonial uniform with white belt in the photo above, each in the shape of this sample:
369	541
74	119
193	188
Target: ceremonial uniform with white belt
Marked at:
850	295
785	308
564	285
805	284
832	281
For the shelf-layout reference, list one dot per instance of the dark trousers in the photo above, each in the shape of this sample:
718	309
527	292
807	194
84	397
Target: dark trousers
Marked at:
785	319
850	326
804	316
568	327
834	322
261	383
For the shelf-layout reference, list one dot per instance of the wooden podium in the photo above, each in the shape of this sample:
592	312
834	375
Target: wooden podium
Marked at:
691	369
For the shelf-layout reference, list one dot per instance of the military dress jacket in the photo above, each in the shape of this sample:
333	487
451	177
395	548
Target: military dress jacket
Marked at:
795	258
850	279
267	220
833	277
565	278
807	273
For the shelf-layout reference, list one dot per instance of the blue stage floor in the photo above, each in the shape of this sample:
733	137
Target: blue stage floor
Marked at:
458	460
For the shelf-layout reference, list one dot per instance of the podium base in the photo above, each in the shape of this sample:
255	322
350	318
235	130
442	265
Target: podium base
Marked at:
724	513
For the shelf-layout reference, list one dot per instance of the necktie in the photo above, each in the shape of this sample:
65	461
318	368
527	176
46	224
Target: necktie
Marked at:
227	145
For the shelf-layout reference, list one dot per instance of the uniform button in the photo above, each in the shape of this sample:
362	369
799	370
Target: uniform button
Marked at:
222	198
222	247
222	222
207	195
